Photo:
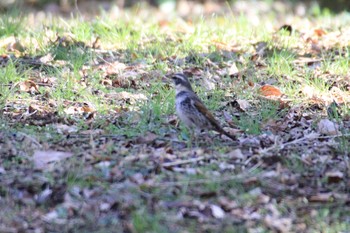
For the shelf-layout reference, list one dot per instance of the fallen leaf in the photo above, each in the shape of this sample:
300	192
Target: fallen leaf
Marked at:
334	176
88	112
51	216
97	43
148	138
316	47
5	42
280	224
66	129
319	32
243	104
327	127
47	58
193	71
28	86
104	207
321	197
227	204
172	120
123	95
16	46
71	110
235	154
217	211
43	196
115	68
231	46
106	82
270	91
44	160
92	132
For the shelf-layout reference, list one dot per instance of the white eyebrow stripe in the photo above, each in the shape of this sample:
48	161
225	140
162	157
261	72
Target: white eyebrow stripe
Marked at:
180	77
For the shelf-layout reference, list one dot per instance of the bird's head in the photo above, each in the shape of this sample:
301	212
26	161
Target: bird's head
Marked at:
181	82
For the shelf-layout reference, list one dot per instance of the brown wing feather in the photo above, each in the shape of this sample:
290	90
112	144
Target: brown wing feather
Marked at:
202	109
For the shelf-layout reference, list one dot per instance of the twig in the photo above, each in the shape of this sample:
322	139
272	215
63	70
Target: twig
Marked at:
182	162
206	181
282	145
309	136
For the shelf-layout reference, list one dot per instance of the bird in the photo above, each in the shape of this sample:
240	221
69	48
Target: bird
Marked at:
191	110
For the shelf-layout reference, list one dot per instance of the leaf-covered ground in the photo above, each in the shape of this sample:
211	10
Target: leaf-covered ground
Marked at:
89	140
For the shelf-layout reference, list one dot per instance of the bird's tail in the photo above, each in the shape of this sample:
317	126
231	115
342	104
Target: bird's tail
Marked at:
229	135
222	131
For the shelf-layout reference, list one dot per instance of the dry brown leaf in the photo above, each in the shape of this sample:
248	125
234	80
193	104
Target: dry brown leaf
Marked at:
16	46
28	86
106	82
334	176
243	104
51	217
217	212
319	32
280	224
270	91
227	204
321	197
92	132
4	42
172	120
254	57
44	160
163	23
148	138
196	71
124	95
87	109
71	110
97	43
233	70
225	46
235	154
315	47
47	58
327	127
12	44
115	68
66	129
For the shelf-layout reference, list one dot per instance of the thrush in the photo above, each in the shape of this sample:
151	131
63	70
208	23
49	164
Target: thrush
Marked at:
191	110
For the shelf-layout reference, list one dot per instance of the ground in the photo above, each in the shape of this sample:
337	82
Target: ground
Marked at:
90	142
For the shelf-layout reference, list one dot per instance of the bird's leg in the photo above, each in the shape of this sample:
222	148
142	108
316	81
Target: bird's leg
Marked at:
188	134
207	137
198	136
192	138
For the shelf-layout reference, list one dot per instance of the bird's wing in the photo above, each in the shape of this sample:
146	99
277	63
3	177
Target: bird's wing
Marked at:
202	109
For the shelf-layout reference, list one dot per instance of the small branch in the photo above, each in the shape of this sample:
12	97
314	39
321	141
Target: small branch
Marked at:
182	162
206	181
309	136
282	145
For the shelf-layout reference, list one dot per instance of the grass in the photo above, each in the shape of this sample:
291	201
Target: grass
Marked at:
116	176
11	24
